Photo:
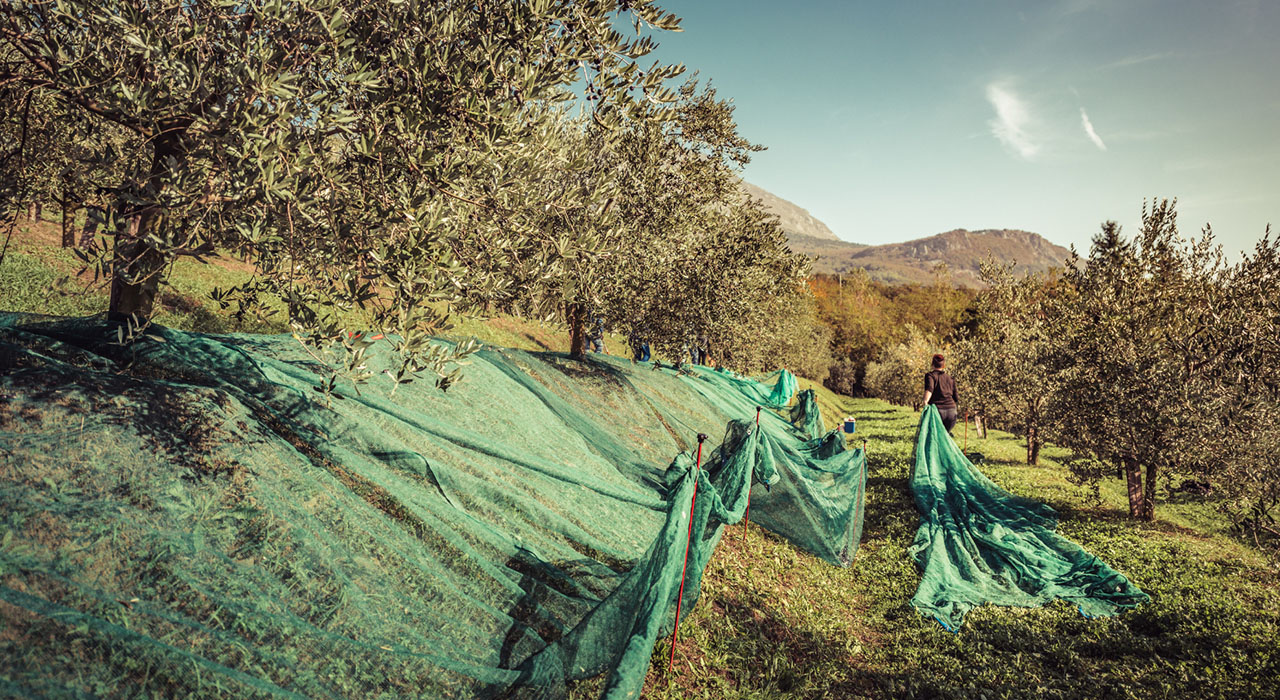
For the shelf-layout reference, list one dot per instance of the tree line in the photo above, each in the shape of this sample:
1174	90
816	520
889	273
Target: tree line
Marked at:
873	325
1152	358
403	161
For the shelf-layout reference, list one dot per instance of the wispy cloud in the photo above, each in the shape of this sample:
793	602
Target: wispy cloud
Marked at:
1067	8
1088	129
1135	60
1012	120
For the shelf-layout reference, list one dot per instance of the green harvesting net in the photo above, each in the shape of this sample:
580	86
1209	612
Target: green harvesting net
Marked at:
783	390
189	517
818	502
805	415
980	544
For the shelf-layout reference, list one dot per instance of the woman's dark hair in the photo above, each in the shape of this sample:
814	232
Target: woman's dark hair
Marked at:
939	361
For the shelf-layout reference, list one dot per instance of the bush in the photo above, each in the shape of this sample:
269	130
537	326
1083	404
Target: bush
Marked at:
897	375
842	378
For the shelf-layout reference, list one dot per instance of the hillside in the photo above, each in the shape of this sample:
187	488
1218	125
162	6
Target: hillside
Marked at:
500	539
961	250
796	220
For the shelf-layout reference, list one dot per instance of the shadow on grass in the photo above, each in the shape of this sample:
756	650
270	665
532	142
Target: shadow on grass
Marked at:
781	657
891	503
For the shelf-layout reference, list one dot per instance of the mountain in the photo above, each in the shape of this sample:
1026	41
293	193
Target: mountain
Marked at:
961	250
913	261
796	221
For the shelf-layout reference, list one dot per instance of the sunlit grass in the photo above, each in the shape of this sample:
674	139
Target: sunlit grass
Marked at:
775	622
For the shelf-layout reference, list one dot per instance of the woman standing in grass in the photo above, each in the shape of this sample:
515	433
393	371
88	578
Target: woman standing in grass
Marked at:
940	390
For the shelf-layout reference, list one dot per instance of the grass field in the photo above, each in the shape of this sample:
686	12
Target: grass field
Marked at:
775	622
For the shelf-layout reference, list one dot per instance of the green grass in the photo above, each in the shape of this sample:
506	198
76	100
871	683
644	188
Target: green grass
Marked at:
775	622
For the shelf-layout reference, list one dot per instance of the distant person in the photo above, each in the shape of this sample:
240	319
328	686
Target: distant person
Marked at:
940	390
639	348
701	351
595	336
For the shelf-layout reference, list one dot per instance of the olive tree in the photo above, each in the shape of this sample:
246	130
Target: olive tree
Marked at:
1006	362
1138	364
712	263
1237	445
341	145
646	228
897	374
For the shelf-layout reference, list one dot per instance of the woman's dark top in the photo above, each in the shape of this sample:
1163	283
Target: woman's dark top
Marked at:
943	388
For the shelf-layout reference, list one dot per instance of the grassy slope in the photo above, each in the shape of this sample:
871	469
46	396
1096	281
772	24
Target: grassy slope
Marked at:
37	276
777	622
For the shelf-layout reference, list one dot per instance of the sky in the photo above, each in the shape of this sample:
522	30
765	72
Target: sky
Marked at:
894	120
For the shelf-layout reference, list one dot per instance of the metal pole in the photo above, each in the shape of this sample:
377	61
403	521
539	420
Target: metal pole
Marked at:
680	598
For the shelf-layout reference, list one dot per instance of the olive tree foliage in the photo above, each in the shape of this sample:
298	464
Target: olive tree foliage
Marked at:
788	335
1005	362
1234	442
1154	354
1138	365
699	259
897	374
1240	447
650	232
59	155
344	146
53	153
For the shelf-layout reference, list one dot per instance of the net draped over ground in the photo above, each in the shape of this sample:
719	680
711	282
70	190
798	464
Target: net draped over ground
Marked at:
189	515
979	544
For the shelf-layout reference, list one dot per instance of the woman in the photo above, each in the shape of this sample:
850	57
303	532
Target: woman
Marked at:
940	390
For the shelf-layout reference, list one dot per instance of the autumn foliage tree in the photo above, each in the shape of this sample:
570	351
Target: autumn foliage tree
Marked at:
897	374
867	317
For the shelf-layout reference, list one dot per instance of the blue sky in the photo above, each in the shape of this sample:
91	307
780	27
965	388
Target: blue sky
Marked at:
897	120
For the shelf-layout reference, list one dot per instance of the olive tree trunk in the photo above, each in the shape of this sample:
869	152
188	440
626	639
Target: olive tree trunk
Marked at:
577	317
1133	474
137	266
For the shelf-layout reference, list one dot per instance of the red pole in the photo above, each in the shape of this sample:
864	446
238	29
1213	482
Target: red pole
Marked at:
680	598
746	517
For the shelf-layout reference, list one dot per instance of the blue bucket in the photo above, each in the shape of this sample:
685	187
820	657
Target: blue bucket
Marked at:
850	426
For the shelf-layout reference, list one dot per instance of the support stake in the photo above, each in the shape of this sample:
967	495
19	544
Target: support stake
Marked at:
680	598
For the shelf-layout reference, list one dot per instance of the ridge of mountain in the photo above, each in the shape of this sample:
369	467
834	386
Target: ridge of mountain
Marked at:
961	250
796	220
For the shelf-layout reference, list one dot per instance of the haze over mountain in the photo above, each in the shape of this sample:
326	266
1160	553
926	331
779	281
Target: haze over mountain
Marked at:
795	219
962	251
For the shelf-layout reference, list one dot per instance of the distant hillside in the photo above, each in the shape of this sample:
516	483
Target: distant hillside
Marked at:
796	221
828	252
913	261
